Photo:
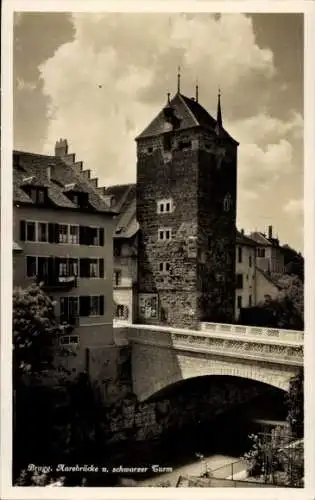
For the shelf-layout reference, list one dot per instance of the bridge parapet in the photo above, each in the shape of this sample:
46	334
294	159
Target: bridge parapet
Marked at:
262	349
253	331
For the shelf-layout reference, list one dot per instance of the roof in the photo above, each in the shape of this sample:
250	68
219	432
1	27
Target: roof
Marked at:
260	239
125	202
241	239
56	175
189	114
269	278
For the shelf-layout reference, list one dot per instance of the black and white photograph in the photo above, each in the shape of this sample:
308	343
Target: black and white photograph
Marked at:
158	259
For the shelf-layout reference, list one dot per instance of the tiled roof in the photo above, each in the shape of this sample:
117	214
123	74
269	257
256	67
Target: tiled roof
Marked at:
52	172
241	239
190	114
260	239
125	202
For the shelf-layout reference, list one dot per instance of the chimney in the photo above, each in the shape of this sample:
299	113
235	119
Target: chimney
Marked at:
61	148
269	232
242	232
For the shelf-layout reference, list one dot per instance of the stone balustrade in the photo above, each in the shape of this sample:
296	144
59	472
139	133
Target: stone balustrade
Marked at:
253	331
264	348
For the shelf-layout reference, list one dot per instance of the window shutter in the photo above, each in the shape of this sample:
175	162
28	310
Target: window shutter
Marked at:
81	235
51	235
22	230
84	268
101	268
101	230
102	305
85	305
56	231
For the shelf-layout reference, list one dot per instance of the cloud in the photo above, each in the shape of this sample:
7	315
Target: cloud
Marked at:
135	71
294	207
104	88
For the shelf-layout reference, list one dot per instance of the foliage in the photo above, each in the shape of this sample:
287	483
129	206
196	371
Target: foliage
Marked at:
35	333
295	404
285	311
56	419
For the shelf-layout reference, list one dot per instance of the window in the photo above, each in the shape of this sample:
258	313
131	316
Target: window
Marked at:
240	254
31	267
164	206
74	235
91	236
63	268
30	231
117	278
250	301
69	339
73	267
184	145
63	233
165	234
239	281
40	196
261	252
121	312
42	232
75	199
96	308
167	142
239	302
164	267
94	236
69	309
250	263
93	268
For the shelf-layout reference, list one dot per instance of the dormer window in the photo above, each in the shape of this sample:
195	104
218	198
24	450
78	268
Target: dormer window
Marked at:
38	195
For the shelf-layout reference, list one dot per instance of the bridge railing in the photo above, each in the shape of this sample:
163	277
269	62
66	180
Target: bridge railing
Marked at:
253	331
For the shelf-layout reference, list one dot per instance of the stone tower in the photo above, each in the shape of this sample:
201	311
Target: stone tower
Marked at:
186	210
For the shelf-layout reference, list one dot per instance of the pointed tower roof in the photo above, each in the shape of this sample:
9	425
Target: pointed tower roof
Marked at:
188	113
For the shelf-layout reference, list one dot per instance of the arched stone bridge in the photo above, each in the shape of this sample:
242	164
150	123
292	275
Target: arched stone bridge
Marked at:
162	356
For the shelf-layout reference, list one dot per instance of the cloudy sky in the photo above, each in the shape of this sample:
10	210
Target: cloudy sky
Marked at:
60	60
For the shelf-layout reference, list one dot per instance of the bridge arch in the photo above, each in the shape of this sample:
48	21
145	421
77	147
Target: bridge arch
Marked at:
156	369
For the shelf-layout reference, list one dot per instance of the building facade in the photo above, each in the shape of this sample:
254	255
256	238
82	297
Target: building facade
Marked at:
63	239
186	210
270	257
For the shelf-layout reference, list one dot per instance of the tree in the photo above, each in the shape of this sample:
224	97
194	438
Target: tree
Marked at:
36	334
295	404
285	311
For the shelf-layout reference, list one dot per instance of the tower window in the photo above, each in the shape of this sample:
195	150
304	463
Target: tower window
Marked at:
165	234
164	206
184	145
164	267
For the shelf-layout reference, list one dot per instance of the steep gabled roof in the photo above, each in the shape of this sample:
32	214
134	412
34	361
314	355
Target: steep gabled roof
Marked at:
189	113
124	202
260	239
241	239
56	175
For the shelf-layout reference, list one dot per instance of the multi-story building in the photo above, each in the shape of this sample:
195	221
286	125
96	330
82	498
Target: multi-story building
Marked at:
253	284
270	256
63	239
